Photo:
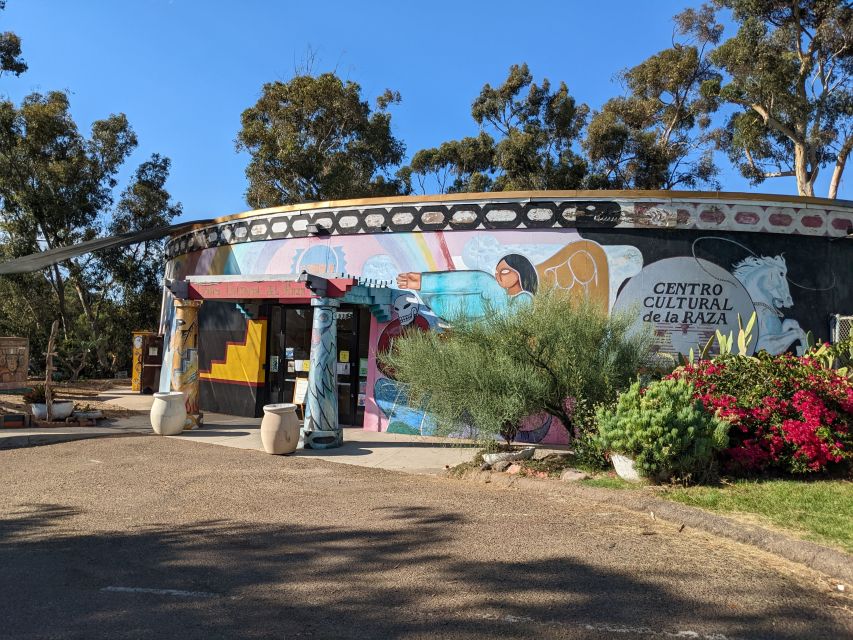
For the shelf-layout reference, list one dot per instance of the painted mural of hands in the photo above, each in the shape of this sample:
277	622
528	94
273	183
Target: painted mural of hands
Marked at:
409	280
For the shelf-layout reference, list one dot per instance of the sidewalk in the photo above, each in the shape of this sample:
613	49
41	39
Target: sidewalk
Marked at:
414	454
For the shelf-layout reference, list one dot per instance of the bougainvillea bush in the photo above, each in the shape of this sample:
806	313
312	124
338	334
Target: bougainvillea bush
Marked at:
788	414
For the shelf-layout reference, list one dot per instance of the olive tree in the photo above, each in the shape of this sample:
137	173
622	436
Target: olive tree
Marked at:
564	357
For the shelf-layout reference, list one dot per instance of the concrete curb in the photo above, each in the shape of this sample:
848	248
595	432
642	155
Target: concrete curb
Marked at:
833	563
42	439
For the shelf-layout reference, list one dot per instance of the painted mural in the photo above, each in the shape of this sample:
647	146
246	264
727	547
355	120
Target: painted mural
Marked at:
683	268
184	354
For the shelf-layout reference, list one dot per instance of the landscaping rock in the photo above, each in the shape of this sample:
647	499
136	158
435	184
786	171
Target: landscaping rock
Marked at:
513	469
485	466
523	454
545	454
503	465
573	475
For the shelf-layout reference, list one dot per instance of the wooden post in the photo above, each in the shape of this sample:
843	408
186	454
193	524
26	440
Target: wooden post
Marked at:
48	370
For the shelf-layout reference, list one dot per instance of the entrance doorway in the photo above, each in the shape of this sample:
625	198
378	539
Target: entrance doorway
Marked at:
289	355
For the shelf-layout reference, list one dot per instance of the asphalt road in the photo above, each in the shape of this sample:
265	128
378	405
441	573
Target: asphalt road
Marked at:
145	537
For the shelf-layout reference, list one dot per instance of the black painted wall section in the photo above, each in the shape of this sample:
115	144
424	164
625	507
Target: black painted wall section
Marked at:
819	270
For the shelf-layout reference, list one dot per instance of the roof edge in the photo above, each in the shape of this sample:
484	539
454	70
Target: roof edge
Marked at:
524	195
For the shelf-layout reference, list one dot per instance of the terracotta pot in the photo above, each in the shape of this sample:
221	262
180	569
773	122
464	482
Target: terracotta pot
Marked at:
61	409
280	428
168	413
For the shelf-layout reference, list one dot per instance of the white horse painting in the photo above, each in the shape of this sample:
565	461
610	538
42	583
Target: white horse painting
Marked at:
766	280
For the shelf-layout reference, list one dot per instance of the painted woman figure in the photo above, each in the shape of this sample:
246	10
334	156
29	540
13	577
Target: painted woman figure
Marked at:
471	293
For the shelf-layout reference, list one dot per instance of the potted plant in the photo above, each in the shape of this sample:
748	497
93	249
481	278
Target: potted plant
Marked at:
37	399
660	432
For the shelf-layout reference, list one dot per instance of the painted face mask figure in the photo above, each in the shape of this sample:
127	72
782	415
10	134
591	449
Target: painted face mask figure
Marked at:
406	308
508	278
517	276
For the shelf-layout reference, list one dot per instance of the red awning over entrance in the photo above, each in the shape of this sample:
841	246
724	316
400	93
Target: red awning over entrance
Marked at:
299	289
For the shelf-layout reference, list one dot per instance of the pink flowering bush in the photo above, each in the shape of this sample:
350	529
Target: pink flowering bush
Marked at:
788	414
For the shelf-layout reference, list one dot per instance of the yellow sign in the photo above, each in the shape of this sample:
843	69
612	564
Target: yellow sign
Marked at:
344	357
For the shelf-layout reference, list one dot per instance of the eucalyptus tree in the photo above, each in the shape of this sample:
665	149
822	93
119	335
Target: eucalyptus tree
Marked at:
315	138
528	139
787	73
658	135
56	189
10	51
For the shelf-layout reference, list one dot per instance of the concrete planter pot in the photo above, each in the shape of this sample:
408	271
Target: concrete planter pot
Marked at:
61	409
509	456
168	413
280	429
624	467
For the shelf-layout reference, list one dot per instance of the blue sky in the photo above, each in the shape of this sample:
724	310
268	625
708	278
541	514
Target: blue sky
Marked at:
184	70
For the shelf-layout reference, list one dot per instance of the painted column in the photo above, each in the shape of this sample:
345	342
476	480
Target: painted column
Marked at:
320	429
184	348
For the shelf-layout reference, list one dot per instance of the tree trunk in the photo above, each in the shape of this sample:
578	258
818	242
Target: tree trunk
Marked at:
54	277
805	178
48	369
840	163
94	326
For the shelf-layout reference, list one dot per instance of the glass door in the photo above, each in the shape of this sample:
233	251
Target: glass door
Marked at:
289	350
353	335
347	325
289	356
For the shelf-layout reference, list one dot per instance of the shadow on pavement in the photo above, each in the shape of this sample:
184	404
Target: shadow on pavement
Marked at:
390	580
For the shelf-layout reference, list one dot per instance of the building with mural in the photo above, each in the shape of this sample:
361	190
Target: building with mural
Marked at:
296	302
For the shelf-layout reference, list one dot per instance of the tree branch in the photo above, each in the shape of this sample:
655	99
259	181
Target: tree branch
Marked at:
766	174
840	164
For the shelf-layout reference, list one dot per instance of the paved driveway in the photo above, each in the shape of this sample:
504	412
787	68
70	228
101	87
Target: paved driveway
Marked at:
142	537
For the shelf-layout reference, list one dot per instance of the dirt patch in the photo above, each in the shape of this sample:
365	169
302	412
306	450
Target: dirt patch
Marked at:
84	394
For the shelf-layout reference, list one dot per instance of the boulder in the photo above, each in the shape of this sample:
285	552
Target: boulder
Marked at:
573	475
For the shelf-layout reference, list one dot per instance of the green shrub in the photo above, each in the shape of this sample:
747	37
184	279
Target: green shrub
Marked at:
36	395
561	356
665	430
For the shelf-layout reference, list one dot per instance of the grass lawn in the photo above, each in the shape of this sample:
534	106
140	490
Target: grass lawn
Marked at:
820	511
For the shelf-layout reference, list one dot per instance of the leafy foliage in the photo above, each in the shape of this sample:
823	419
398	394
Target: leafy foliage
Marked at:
56	189
658	135
788	71
837	356
664	428
10	51
314	138
36	395
528	138
555	355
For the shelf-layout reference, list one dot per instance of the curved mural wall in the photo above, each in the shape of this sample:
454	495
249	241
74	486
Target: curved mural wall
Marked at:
689	264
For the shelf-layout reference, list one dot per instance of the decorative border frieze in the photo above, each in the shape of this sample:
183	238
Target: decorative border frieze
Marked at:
750	216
